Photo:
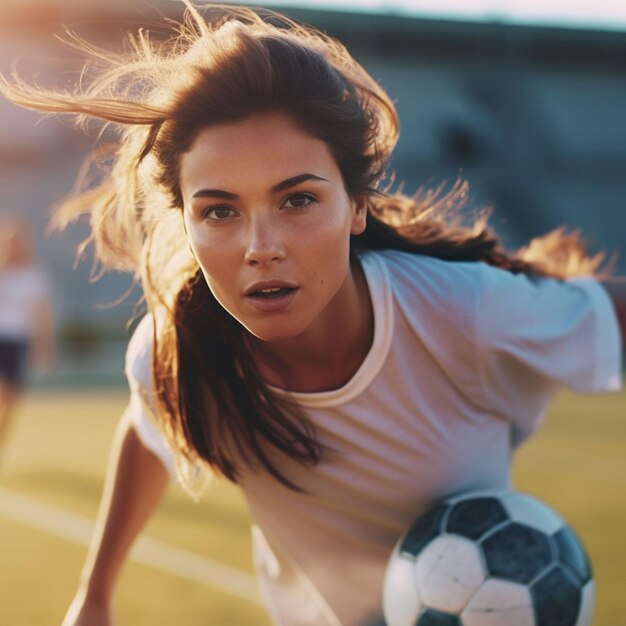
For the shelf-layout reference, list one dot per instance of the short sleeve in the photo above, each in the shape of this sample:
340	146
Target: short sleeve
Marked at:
537	334
141	408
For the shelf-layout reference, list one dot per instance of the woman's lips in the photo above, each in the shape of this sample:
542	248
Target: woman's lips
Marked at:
271	298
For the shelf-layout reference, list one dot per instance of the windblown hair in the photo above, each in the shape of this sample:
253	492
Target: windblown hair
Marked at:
212	403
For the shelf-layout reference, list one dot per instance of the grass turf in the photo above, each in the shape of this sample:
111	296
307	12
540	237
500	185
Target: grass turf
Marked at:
58	453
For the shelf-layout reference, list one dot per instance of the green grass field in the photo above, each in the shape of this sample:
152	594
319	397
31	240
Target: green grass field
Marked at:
58	454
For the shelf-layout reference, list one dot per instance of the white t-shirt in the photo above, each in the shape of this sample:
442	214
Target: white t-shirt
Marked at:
464	361
22	291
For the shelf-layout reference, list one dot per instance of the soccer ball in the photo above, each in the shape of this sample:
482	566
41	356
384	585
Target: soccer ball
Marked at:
489	559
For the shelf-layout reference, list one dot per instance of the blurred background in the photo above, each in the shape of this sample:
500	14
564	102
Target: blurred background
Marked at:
524	100
528	107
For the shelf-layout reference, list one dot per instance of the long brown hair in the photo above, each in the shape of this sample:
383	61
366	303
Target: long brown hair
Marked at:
213	405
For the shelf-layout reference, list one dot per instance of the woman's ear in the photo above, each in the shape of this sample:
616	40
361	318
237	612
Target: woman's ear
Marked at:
359	214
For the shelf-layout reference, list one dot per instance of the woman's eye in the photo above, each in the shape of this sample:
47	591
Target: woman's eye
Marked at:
299	201
217	213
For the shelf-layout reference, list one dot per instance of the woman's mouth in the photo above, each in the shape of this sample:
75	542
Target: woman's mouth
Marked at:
271	292
271	298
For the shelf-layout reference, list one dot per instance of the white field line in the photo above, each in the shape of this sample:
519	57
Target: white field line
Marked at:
77	529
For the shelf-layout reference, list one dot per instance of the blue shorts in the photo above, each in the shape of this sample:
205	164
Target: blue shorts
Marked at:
13	360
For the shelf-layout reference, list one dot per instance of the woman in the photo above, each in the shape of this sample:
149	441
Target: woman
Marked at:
26	325
346	355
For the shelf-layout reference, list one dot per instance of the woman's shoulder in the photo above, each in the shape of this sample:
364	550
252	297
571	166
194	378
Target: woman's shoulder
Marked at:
450	277
413	275
476	295
415	264
462	285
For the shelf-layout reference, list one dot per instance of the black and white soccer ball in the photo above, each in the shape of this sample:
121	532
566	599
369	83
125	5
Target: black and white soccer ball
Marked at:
489	559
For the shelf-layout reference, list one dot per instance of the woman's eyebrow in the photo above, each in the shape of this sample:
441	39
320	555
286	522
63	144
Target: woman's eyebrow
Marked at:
295	180
285	184
215	193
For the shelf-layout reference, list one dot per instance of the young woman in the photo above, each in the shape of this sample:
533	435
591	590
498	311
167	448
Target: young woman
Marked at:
26	324
346	355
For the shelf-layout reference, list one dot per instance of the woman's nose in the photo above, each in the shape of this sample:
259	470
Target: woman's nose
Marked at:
264	243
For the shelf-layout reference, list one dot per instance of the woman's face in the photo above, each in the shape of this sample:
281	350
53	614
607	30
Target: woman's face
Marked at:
269	221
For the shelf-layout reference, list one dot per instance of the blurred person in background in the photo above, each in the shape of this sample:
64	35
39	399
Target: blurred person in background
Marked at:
344	354
26	318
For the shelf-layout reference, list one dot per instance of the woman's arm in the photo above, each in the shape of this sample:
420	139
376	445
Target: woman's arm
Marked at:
135	482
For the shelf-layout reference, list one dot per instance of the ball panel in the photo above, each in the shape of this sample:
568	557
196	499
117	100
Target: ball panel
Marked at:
517	553
572	553
557	598
500	603
587	604
401	603
526	510
475	517
448	572
431	617
424	530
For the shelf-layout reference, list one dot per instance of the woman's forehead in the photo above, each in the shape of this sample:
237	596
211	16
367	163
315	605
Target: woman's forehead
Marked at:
272	143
